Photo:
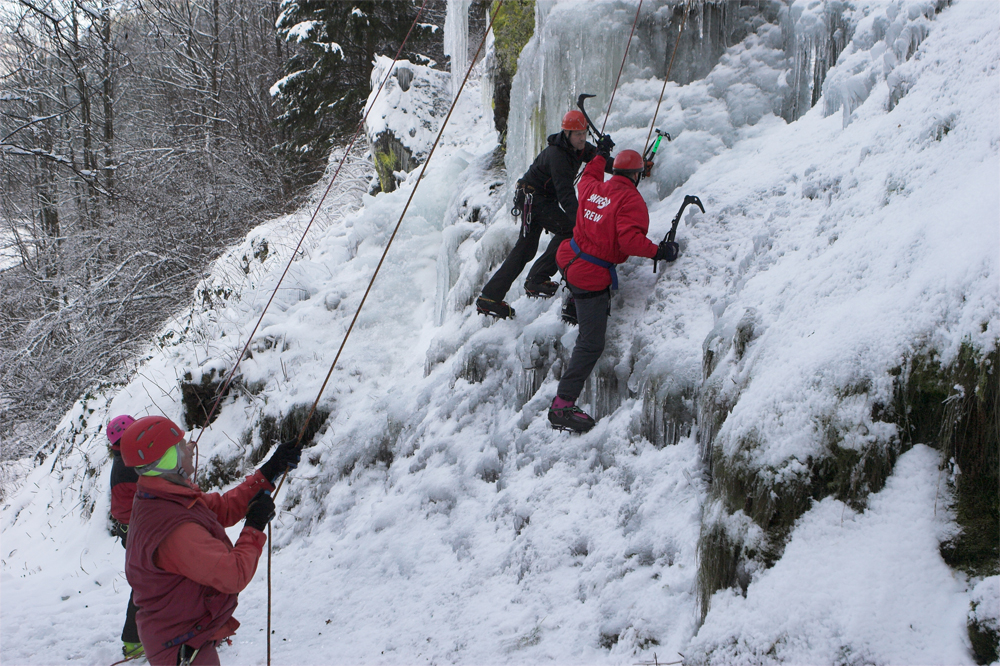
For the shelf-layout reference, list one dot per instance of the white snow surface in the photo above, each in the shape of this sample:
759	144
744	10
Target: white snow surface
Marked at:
438	518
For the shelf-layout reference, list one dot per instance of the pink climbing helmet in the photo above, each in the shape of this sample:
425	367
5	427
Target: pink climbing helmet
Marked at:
116	427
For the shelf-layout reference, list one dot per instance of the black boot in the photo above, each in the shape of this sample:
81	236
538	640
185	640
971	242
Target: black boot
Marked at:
498	309
564	415
546	289
569	311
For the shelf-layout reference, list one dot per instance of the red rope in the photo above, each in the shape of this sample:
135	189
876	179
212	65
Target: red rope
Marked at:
364	298
667	75
347	152
620	69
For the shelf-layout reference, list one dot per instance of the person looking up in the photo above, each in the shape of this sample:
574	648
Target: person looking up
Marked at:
184	571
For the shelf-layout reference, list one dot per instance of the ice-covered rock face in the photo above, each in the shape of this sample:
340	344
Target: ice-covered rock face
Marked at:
734	64
730	70
404	117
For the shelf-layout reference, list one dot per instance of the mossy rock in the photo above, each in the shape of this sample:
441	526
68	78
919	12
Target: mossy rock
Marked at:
274	431
200	397
953	408
513	26
390	156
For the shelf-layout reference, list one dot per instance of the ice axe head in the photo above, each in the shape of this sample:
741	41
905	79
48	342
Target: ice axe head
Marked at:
579	103
692	199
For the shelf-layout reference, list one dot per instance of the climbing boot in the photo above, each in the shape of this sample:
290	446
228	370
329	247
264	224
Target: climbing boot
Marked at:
546	289
132	650
497	309
565	415
569	311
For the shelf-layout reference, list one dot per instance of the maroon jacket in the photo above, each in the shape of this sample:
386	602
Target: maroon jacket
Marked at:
611	224
174	609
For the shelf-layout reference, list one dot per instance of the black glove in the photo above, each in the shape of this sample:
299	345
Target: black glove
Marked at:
286	456
121	531
260	511
667	251
604	146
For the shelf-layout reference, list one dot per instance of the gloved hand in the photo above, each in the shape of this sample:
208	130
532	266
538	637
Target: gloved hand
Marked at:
604	146
287	455
260	511
667	251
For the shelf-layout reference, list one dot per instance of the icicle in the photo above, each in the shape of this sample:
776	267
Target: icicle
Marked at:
456	40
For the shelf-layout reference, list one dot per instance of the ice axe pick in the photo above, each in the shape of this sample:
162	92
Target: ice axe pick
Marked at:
593	127
672	234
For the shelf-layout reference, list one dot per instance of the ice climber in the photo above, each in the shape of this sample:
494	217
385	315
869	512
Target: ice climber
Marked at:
547	200
611	226
123	479
184	571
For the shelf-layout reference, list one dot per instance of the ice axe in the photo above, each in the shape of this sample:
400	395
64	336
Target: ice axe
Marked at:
672	234
593	128
647	158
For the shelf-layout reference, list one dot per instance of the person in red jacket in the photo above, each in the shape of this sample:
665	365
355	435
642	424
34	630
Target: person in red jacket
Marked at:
184	571
611	226
123	480
552	207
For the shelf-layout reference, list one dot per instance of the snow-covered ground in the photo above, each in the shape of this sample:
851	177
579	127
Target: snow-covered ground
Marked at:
439	519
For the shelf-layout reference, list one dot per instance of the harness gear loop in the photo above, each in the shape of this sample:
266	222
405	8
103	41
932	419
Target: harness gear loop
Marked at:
666	77
524	196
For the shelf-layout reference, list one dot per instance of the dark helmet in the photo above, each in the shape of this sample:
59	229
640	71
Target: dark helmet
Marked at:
628	162
148	439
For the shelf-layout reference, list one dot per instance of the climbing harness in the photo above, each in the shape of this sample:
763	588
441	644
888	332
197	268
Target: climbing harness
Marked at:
580	254
319	205
364	298
620	69
666	78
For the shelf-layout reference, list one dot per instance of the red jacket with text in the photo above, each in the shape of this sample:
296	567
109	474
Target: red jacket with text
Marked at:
184	571
611	224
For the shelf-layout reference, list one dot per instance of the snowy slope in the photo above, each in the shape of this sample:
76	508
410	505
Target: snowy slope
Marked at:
437	518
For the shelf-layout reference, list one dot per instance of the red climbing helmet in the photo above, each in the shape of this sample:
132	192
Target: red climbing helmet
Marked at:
116	427
574	121
146	440
628	161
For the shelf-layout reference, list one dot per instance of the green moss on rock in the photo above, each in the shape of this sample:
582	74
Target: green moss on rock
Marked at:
513	26
953	408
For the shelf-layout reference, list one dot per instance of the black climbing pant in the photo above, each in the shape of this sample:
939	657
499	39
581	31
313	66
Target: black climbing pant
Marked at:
592	310
130	632
545	215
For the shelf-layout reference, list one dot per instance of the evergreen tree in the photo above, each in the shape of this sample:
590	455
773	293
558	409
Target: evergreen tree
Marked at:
333	45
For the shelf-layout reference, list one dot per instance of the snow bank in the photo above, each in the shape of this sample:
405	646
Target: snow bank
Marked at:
436	517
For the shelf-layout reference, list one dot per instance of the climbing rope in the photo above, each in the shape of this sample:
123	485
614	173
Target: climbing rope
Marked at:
667	75
312	219
357	313
620	69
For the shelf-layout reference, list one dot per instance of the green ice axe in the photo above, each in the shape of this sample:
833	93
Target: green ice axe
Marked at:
647	158
672	234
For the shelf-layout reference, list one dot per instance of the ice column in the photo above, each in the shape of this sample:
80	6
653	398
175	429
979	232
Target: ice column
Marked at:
456	40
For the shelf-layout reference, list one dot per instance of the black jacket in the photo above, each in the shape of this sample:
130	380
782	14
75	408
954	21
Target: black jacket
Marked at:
554	170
